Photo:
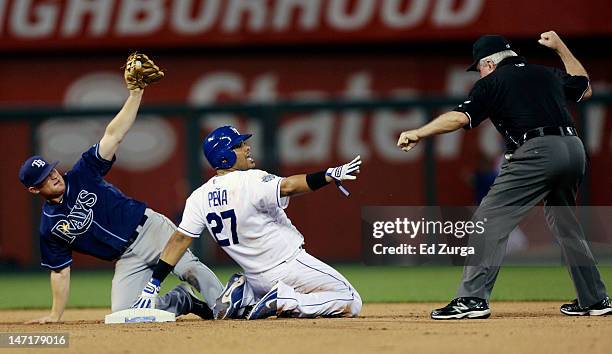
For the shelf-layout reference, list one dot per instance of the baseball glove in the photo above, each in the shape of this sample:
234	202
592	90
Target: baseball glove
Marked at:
141	71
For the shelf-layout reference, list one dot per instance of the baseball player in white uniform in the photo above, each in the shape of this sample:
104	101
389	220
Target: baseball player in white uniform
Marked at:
243	210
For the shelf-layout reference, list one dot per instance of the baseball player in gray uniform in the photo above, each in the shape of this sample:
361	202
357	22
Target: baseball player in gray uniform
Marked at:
84	213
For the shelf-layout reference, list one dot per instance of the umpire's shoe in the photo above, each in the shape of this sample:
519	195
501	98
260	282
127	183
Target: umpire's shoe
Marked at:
229	303
462	307
265	307
198	307
599	309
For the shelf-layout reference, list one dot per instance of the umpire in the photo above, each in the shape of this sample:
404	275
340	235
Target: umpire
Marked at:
545	160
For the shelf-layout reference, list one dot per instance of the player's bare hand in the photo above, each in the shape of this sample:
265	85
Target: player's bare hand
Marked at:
43	320
551	40
408	140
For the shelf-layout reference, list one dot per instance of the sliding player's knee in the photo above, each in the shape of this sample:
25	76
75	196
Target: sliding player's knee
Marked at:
356	305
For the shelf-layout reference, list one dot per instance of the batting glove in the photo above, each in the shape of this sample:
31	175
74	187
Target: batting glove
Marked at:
148	295
344	172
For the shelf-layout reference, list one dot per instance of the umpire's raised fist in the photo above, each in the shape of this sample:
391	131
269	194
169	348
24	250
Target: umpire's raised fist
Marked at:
551	40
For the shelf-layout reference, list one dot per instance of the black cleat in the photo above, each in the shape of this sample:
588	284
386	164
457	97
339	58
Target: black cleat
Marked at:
198	307
462	307
573	309
599	309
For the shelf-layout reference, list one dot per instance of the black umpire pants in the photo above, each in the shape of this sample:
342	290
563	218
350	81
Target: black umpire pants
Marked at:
548	168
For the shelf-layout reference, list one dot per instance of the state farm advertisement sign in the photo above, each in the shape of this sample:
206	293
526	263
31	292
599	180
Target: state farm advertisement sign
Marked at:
152	159
57	24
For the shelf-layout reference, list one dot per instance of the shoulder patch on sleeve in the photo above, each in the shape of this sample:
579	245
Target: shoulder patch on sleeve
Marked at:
268	178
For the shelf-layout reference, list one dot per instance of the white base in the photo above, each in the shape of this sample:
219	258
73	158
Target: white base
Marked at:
139	316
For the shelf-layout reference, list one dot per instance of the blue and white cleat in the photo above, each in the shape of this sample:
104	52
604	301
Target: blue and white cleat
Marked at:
229	303
265	307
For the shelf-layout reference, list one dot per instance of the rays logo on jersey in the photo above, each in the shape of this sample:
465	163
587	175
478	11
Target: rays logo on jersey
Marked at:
79	219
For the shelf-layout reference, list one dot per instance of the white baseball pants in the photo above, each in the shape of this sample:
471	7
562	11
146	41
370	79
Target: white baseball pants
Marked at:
307	287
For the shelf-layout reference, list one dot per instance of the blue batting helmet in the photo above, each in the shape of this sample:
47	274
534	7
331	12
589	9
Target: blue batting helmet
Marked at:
218	146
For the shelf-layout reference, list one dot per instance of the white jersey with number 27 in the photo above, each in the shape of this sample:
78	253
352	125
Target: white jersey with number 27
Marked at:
243	212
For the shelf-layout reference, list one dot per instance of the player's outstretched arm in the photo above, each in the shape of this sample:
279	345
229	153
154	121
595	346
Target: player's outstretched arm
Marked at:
445	123
172	253
295	185
299	184
139	72
60	287
120	125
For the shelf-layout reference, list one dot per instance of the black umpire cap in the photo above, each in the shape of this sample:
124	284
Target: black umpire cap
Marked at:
487	45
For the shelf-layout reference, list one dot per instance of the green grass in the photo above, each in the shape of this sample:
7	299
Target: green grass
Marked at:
375	284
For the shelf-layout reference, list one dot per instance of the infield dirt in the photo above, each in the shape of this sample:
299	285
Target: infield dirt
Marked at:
514	327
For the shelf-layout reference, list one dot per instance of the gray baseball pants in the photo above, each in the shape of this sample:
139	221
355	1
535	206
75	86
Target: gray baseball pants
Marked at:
135	268
548	168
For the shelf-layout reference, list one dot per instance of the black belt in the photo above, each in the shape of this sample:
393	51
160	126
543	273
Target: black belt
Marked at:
134	234
543	131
